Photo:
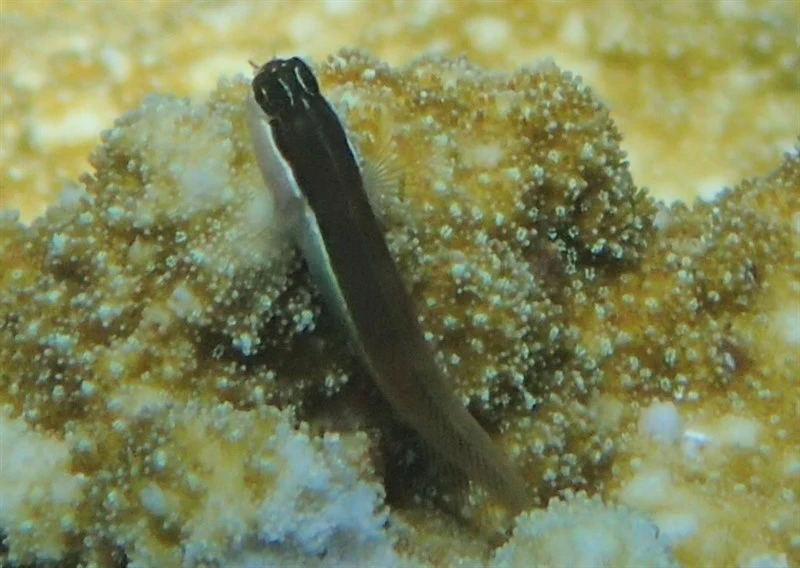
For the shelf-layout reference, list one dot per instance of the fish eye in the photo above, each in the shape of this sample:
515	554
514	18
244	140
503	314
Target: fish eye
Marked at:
272	94
304	75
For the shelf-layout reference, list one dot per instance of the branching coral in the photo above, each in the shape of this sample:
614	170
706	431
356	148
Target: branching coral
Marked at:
153	323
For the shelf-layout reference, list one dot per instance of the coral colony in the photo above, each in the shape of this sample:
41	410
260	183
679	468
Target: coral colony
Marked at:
174	392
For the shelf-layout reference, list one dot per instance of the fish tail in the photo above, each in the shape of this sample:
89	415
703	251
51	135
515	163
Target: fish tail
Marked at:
450	429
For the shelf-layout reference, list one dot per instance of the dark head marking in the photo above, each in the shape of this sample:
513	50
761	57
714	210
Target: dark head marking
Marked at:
281	85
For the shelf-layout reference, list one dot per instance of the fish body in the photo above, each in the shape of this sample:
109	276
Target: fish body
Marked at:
305	156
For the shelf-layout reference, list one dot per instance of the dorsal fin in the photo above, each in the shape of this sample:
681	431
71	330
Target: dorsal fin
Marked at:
382	171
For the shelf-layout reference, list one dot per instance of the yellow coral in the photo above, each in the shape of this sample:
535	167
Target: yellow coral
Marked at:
705	91
719	336
130	316
510	201
156	302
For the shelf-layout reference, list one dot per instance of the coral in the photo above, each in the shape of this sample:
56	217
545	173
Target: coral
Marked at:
169	484
129	319
165	258
710	324
722	294
38	492
711	269
161	343
512	202
579	531
714	80
163	277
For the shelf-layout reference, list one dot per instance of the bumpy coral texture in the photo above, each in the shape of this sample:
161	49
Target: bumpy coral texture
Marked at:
710	79
579	531
713	323
130	317
516	198
152	322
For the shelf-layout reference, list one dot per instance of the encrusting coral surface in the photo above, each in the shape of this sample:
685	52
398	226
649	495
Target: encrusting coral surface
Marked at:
169	380
704	90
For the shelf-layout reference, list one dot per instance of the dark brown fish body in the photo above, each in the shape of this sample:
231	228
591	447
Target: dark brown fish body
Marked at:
344	246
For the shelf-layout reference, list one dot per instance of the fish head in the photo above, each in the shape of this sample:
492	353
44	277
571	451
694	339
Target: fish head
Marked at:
283	86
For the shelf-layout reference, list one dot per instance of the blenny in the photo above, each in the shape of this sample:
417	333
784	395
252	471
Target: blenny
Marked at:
306	158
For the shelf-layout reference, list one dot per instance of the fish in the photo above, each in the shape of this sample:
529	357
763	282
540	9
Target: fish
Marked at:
307	160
